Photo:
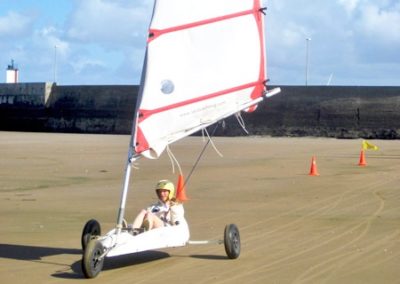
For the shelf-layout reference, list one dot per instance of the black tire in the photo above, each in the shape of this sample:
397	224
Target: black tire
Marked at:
92	264
91	229
232	241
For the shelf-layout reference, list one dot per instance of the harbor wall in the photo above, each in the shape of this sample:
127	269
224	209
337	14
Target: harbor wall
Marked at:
329	111
322	111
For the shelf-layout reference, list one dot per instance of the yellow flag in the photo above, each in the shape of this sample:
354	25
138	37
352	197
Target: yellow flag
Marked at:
368	146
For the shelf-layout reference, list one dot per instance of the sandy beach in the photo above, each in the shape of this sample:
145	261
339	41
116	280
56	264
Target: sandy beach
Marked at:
342	226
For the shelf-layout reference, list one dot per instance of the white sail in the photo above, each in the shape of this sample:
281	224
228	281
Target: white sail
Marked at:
205	60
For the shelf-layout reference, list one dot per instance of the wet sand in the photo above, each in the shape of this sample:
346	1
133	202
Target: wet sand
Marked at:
340	227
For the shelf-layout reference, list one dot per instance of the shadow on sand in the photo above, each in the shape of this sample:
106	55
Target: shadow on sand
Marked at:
36	254
31	253
73	271
114	262
209	256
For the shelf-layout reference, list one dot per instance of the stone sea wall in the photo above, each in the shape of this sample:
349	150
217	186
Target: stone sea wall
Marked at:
323	111
329	111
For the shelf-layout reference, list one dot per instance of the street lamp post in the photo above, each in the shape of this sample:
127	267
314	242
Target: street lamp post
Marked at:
55	63
307	57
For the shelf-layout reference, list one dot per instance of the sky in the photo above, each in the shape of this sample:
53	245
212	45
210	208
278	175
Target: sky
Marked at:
102	42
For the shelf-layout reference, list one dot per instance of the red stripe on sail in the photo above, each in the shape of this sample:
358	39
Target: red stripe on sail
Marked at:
259	19
141	141
143	113
258	90
154	33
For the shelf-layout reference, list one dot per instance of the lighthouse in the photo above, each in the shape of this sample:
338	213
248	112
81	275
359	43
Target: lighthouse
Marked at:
12	73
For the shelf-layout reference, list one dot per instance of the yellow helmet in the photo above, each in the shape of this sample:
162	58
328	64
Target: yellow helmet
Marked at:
166	184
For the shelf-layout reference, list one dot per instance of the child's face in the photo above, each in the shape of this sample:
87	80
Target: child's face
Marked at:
163	194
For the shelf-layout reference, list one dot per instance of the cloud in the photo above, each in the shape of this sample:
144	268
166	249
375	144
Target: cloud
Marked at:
381	23
349	5
49	38
111	23
108	37
293	35
349	37
14	24
81	65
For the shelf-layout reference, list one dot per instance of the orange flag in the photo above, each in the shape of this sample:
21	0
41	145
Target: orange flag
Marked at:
180	190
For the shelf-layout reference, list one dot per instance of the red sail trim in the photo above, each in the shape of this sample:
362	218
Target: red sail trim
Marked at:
258	90
154	33
259	19
141	141
256	93
143	113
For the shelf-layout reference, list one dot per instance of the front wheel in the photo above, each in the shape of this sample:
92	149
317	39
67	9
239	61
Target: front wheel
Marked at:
232	241
91	229
93	259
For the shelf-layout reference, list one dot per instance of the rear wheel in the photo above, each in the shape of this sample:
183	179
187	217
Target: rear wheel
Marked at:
232	241
93	259
91	229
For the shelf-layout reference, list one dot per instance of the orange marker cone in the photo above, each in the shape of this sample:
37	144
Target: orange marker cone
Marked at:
180	190
362	161
313	170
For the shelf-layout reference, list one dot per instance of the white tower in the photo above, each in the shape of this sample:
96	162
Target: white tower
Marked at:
12	73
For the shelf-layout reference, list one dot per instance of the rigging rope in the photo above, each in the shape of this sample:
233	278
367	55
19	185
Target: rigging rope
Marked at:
241	122
212	143
200	155
173	160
